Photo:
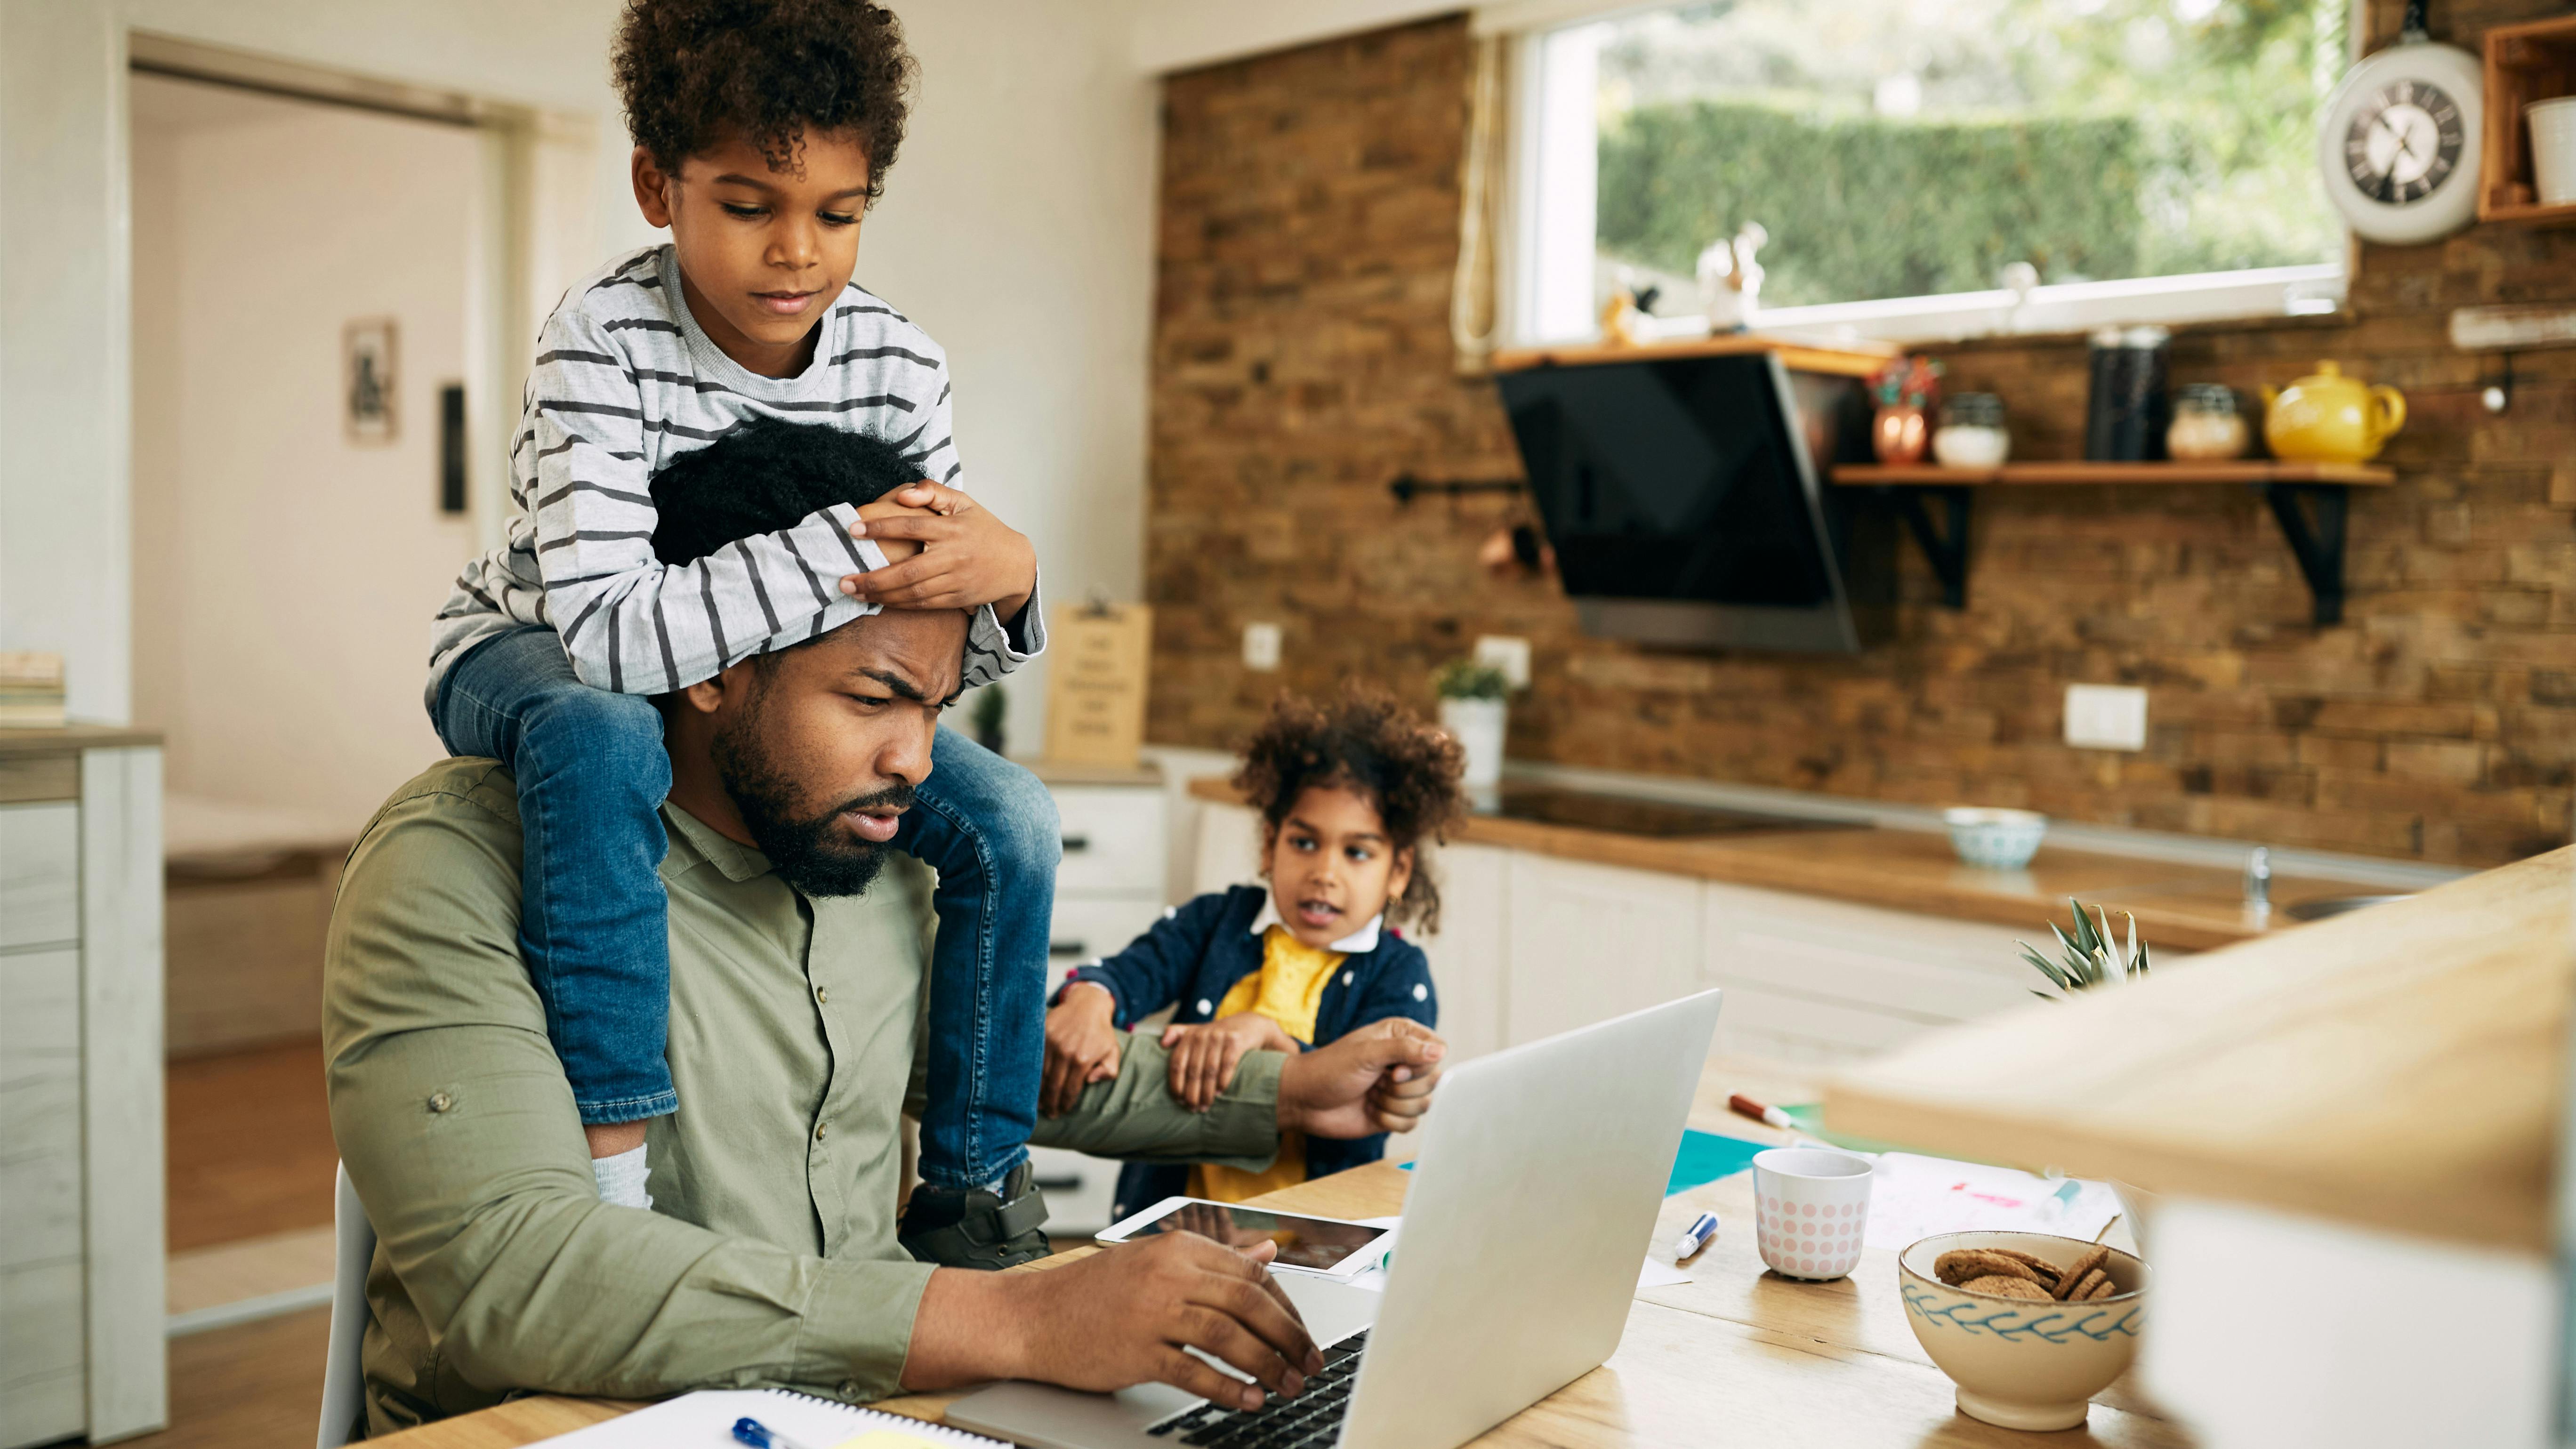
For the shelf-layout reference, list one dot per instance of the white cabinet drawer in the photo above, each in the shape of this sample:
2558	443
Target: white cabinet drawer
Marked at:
39	1008
1590	942
1468	956
40	1164
41	1342
39	874
1113	839
1229	847
1087	928
1078	1190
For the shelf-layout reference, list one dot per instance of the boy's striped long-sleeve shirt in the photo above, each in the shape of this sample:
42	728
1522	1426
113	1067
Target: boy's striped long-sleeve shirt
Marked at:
624	381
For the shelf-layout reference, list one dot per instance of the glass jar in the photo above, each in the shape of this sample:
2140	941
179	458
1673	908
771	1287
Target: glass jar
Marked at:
1972	433
2207	425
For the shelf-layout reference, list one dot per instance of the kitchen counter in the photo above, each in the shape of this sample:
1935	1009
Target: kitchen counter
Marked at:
2179	906
2399	1068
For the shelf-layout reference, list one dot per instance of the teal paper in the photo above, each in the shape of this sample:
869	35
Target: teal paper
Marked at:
1705	1157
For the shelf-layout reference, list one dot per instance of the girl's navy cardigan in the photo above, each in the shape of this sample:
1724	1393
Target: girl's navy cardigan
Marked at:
1196	954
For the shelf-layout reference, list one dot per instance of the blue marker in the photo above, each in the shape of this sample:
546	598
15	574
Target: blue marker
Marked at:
1694	1237
760	1436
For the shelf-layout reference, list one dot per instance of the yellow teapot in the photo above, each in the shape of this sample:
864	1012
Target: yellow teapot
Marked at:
2327	417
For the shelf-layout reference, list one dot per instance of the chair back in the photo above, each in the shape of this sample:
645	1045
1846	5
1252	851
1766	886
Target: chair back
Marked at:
344	1381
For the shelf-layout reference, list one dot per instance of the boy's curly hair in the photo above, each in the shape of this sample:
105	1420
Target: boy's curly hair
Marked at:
1365	742
691	71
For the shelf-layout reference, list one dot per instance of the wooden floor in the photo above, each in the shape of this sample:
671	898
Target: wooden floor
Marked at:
250	1145
253	1387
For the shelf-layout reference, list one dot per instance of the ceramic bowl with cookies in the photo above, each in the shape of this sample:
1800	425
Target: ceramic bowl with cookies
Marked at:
2029	1326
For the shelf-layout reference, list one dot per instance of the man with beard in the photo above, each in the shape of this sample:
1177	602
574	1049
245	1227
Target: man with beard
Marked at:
796	1036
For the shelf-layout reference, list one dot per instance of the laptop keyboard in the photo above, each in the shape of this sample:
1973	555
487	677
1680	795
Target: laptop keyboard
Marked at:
1308	1421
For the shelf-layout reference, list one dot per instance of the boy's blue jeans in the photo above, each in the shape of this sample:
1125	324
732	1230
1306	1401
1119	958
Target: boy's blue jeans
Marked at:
594	923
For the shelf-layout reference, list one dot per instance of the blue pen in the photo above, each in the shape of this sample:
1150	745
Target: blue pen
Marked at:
1694	1237
760	1436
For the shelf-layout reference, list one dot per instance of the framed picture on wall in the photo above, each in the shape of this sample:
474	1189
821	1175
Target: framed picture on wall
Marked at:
369	377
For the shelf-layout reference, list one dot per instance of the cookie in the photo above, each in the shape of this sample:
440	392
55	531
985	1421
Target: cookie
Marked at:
2103	1289
2083	1287
2002	1286
1959	1265
2071	1279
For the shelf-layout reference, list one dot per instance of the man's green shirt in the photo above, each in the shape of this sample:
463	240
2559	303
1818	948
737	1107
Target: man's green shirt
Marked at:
796	1040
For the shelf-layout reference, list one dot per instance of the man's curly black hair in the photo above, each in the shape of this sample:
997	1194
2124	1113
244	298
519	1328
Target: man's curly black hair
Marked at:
1365	742
692	71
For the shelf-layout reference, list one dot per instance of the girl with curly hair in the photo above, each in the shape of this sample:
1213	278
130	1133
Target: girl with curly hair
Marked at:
1350	794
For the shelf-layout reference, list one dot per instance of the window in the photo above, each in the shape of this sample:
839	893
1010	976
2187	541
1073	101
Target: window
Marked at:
2144	160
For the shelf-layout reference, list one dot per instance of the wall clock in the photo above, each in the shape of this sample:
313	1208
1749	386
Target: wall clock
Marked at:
2400	138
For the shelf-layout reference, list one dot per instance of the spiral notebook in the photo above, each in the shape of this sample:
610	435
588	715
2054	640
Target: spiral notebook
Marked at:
704	1420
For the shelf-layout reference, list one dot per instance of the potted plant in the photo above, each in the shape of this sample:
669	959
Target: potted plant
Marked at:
1472	710
984	717
2092	960
2092	957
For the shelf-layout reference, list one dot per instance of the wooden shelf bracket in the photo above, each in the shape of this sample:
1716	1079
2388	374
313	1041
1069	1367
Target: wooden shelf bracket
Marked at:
1944	543
2316	536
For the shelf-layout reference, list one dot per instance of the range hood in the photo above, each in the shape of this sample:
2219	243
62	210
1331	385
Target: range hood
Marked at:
1682	493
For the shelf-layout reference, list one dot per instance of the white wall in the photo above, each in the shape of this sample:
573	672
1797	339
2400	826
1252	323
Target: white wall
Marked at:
284	575
1018	227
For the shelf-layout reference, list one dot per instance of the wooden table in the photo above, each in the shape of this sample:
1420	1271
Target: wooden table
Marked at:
1736	1356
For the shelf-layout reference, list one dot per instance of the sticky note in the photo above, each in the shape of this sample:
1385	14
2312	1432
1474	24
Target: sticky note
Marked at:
887	1439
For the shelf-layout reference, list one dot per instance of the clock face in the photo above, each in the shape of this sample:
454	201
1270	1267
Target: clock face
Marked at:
2404	142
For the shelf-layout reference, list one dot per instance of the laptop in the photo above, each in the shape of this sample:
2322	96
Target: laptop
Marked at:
1533	1201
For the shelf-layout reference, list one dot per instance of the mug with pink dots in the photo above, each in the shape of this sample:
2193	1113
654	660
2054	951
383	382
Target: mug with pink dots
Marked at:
1810	1210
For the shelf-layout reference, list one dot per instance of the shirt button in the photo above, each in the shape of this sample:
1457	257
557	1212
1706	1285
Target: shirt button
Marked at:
822	995
440	1101
822	1130
849	1388
1207	1008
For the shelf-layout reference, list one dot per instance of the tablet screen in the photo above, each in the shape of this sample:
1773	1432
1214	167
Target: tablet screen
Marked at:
1315	1243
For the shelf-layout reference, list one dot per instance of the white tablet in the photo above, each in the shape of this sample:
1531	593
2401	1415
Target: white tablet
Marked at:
1329	1246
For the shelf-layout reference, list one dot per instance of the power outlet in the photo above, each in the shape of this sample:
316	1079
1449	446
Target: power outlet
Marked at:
2106	717
1261	646
1508	653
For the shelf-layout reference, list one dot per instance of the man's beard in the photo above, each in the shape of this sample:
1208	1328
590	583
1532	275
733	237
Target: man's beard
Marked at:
813	853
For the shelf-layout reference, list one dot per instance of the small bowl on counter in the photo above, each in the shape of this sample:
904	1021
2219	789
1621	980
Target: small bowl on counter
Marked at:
2024	1362
1995	839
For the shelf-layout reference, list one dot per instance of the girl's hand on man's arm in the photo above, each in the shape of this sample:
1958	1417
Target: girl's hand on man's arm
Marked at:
1204	1057
1081	1046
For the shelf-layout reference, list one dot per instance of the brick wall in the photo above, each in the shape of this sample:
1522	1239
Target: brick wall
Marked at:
1302	359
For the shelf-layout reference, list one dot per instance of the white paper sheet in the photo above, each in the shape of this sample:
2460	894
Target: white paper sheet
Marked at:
1914	1197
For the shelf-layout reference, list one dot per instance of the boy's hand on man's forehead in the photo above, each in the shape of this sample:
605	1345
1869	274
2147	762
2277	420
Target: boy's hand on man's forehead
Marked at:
968	557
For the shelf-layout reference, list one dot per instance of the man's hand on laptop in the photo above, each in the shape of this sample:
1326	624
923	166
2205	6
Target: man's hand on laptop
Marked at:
1378	1078
1118	1318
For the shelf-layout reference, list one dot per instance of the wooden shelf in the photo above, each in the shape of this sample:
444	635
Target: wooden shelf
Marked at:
2524	63
1859	360
2254	470
2399	1068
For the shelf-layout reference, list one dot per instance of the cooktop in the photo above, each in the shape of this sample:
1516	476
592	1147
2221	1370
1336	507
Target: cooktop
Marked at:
1630	815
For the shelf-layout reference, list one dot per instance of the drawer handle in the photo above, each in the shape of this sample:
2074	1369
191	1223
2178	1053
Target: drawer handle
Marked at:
1073	843
1068	948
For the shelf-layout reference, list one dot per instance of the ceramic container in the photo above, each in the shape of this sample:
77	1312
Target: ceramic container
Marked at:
2021	1363
2553	149
2327	417
1477	724
1899	433
1810	1210
1995	839
1972	433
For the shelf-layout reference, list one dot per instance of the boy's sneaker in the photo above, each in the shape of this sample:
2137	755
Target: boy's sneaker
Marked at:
974	1227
